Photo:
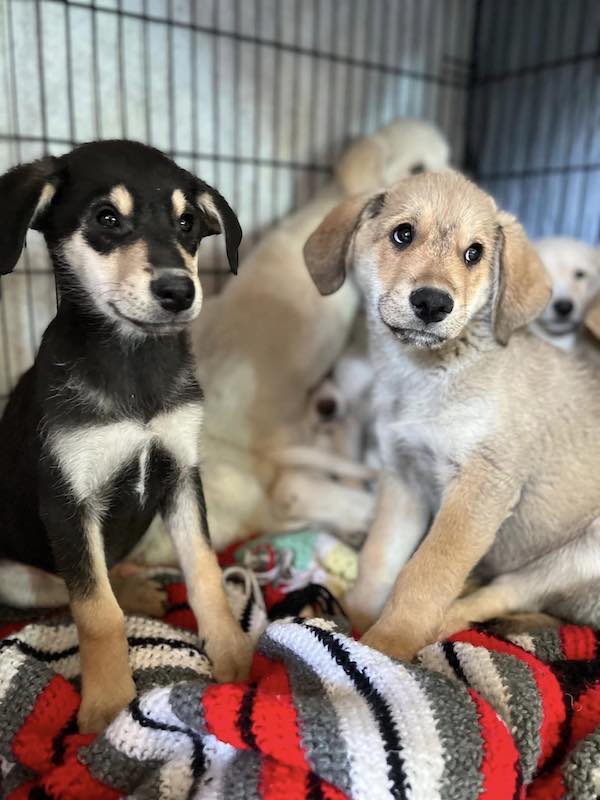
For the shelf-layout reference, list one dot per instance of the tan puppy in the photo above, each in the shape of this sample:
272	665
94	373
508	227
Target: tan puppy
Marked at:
486	430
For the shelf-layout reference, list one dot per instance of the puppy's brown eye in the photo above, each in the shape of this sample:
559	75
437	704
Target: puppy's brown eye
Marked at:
579	274
473	254
186	222
402	236
107	218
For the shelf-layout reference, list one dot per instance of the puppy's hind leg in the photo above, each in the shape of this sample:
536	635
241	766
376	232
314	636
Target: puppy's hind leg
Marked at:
563	583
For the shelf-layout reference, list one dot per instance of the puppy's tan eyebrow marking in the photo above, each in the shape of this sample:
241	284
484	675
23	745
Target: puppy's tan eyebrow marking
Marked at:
46	196
178	202
122	200
207	204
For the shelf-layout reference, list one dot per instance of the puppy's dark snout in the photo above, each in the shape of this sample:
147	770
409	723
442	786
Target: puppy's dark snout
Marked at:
563	307
173	292
431	305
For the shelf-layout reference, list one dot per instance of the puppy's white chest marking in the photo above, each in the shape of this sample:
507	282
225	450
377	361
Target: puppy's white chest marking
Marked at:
89	457
433	418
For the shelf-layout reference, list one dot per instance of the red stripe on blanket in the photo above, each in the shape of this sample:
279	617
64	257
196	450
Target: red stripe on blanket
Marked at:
500	756
261	666
73	781
181	618
548	787
278	781
22	792
578	644
585	720
221	705
329	792
54	707
272	595
11	627
69	781
274	719
586	714
176	594
551	697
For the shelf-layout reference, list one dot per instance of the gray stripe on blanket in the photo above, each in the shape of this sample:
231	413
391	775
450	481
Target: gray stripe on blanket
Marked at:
547	645
153	677
526	714
21	694
242	778
185	701
581	771
318	723
453	710
17	776
118	770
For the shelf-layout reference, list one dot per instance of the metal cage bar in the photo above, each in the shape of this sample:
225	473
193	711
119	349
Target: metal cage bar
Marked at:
260	96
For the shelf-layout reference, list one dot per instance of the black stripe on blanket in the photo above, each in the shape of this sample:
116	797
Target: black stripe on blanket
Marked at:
244	720
34	652
198	759
133	641
151	641
378	706
453	661
247	615
313	787
58	743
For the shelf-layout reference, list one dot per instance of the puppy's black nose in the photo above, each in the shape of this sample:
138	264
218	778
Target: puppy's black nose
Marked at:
563	307
173	292
327	407
431	305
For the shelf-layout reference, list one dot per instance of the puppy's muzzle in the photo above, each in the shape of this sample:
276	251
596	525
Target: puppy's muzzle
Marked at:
174	293
431	305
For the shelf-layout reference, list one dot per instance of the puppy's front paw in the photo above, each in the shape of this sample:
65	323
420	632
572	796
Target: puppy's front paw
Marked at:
390	642
101	704
230	653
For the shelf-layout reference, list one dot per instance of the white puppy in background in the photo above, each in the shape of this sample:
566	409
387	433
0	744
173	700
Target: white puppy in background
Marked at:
574	268
263	346
269	338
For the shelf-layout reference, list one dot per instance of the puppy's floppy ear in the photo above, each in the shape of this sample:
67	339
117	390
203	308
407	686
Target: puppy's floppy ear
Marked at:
221	219
26	192
524	287
592	318
326	249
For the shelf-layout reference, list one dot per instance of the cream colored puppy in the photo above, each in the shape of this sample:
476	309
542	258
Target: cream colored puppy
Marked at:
270	338
574	268
490	435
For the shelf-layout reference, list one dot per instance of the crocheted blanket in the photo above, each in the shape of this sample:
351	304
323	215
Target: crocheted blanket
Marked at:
322	716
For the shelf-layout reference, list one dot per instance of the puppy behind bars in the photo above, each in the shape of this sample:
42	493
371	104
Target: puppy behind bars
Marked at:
101	433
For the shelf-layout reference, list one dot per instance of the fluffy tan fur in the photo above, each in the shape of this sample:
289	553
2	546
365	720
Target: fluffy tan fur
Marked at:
481	425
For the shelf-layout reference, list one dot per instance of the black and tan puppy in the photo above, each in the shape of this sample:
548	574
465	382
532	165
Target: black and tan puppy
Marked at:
101	433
